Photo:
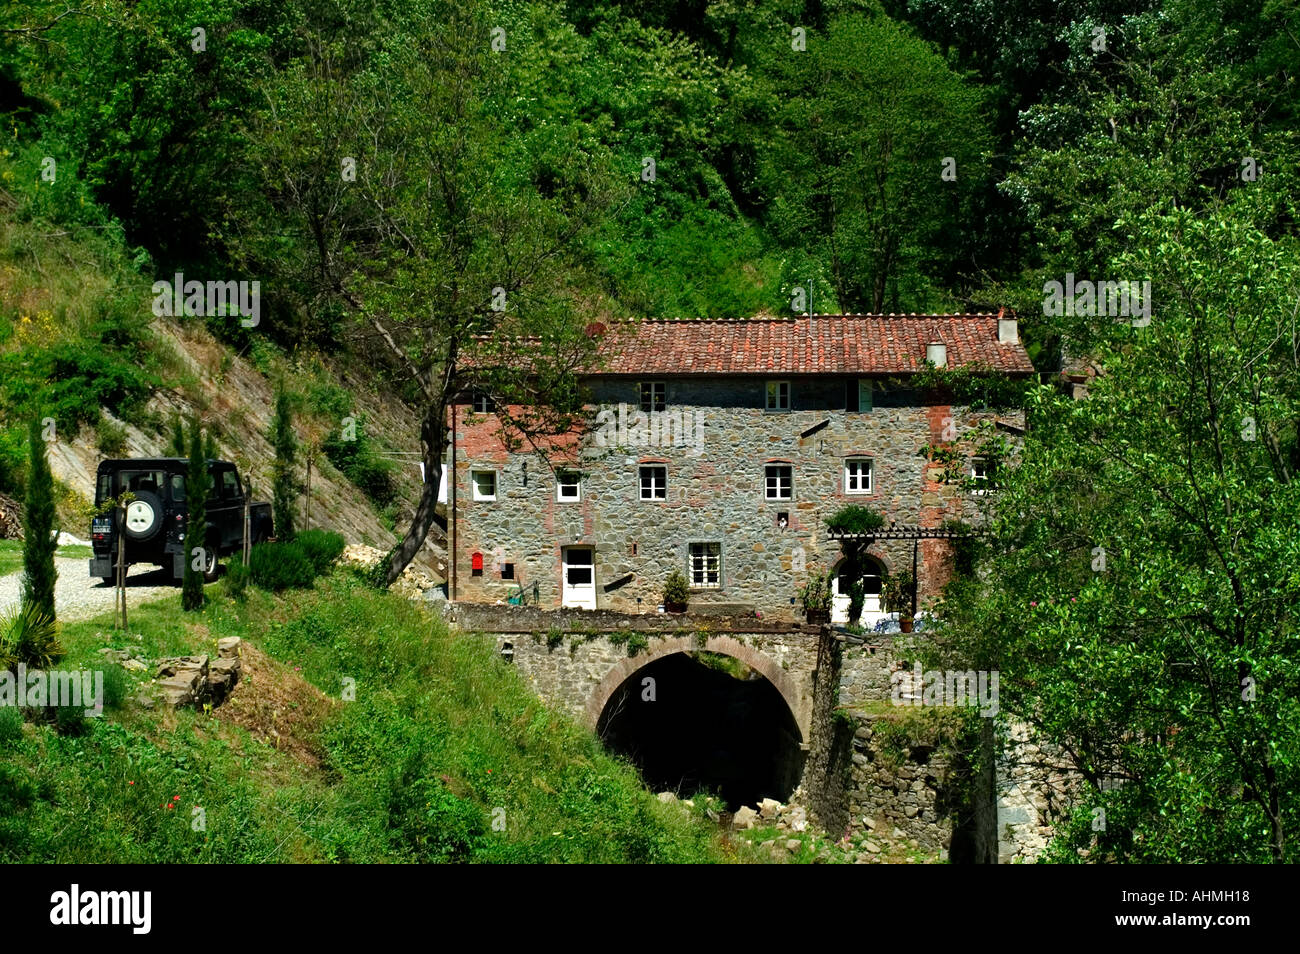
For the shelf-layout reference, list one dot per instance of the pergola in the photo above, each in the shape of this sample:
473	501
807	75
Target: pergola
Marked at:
903	532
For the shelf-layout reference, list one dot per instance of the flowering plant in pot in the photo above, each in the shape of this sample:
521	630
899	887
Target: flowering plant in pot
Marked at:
816	598
676	592
897	593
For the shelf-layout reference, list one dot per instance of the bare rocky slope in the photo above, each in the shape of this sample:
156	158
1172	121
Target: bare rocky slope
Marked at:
226	390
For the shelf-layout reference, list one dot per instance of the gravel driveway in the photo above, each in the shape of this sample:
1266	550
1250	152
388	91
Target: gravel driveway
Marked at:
78	595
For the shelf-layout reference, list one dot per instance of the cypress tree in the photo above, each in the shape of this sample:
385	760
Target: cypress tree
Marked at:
178	438
284	481
197	485
39	529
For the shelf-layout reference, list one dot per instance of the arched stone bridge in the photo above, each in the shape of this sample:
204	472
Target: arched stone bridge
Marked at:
577	660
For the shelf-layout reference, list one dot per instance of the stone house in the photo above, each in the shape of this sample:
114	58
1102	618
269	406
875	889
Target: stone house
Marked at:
719	448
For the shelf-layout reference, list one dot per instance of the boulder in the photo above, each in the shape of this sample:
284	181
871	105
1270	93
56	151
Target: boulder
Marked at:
228	648
768	808
744	817
183	680
223	675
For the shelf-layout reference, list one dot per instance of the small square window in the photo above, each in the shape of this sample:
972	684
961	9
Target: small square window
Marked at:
983	473
778	395
485	484
779	482
706	565
652	396
483	403
568	486
783	519
858	475
654	483
507	571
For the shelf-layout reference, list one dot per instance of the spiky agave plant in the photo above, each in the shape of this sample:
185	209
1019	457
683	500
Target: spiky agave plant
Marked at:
29	635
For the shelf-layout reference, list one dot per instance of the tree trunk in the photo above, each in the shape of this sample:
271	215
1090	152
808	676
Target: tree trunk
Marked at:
433	447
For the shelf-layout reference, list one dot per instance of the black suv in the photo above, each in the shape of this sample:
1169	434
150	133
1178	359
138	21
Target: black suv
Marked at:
156	517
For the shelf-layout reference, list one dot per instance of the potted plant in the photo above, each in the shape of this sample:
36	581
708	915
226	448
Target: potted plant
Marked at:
676	592
897	593
816	598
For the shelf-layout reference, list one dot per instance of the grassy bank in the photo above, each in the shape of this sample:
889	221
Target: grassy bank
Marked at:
443	756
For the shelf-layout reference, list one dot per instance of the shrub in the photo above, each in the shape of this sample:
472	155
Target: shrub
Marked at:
110	437
855	519
116	686
359	462
237	577
322	548
29	636
280	566
676	589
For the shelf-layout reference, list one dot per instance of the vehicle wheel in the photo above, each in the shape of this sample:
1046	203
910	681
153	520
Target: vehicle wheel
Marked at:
144	516
211	565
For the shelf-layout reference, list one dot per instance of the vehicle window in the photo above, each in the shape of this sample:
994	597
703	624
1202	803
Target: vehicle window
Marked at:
105	488
230	485
137	481
178	488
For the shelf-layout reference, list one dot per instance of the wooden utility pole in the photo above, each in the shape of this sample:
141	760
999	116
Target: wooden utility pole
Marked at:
119	592
248	540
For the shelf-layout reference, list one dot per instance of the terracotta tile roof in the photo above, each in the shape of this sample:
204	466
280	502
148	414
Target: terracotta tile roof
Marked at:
814	344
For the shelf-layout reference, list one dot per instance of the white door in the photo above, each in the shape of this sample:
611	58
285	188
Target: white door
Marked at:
872	610
578	588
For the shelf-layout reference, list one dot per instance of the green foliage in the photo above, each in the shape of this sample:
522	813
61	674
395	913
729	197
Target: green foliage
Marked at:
676	588
1140	599
854	518
13	458
29	636
284	481
237	577
897	591
321	547
198	484
110	437
11	726
39	528
360	461
280	566
817	592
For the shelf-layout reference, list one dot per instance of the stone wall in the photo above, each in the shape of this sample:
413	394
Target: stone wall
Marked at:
715	494
575	660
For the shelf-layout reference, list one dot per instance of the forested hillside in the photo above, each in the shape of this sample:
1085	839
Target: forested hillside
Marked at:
417	186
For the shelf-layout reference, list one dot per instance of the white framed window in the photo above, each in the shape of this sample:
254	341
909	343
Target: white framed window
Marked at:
568	486
778	396
654	482
484	483
858	475
483	403
652	396
983	474
706	565
778	482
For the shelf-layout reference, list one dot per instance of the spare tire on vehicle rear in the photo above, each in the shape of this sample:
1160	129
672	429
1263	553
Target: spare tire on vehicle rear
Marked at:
144	516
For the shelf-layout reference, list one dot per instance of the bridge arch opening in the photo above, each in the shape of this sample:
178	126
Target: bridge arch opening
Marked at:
695	721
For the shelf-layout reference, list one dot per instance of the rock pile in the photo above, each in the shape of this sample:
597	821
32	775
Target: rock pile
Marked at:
412	584
11	519
187	680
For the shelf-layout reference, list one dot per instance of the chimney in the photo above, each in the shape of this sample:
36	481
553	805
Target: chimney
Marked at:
936	352
1008	332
